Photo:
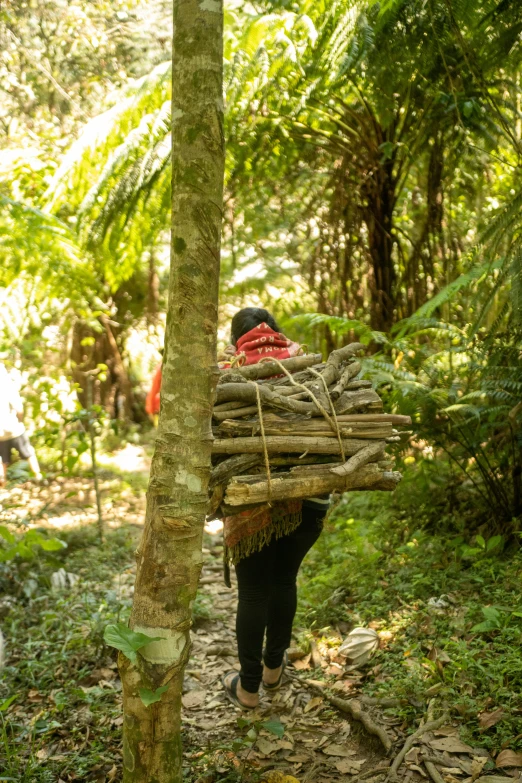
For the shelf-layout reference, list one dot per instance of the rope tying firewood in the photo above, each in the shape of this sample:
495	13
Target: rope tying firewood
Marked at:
263	438
333	423
334	415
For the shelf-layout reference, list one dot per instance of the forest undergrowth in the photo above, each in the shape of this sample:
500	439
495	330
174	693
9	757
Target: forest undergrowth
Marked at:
447	610
447	607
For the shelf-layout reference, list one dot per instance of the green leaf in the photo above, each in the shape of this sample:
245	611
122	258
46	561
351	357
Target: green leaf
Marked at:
492	622
467	108
274	726
7	535
494	542
127	641
492	614
484	627
7	702
481	542
149	697
52	544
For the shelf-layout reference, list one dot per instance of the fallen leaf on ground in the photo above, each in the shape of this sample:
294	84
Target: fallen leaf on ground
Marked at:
491	779
446	731
313	703
508	758
294	653
303	663
111	774
348	766
451	770
488	719
193	699
477	765
438	655
412	756
266	747
416	768
451	745
338	750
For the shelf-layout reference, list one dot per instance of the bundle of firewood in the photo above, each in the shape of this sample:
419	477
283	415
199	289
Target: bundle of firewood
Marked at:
299	428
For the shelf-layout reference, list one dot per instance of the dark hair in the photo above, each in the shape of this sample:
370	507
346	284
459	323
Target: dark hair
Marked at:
248	318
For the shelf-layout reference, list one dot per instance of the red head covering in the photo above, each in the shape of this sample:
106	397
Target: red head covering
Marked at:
261	342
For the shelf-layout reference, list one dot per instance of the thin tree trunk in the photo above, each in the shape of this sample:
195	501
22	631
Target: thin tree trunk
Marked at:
169	555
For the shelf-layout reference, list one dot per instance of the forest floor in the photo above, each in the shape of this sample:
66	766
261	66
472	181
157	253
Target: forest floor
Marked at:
60	695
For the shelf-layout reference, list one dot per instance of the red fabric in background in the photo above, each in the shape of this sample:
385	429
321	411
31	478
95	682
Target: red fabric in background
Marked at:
263	341
152	403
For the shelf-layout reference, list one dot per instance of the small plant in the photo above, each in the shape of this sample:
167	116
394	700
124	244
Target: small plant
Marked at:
26	545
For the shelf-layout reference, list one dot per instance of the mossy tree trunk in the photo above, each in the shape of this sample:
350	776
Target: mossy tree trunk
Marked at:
169	555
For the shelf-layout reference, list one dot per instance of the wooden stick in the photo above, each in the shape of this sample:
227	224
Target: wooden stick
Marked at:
246	393
350	402
346	376
333	364
277	426
393	418
233	466
245	490
300	377
286	444
235	413
368	454
225	406
354	385
268	369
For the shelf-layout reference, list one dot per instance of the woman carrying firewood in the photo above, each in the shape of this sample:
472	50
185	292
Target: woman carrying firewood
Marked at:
266	545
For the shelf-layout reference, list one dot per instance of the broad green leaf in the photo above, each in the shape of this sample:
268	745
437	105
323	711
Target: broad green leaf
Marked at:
491	614
53	544
274	726
127	641
481	542
149	697
494	542
484	627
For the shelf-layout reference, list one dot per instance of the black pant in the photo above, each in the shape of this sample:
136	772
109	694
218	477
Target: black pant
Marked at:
268	598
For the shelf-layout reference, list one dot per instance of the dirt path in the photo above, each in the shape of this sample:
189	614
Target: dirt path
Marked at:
319	744
295	731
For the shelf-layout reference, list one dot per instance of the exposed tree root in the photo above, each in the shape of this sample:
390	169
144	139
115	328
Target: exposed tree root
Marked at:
433	772
353	708
429	726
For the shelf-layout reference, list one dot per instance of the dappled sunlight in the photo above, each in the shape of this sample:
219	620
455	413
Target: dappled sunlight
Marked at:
131	458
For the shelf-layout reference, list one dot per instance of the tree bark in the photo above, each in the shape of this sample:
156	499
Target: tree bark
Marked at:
169	555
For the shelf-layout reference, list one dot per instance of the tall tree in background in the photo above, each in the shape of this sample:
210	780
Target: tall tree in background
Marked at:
169	556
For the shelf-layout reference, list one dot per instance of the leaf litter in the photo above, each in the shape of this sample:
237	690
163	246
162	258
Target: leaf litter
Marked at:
317	745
